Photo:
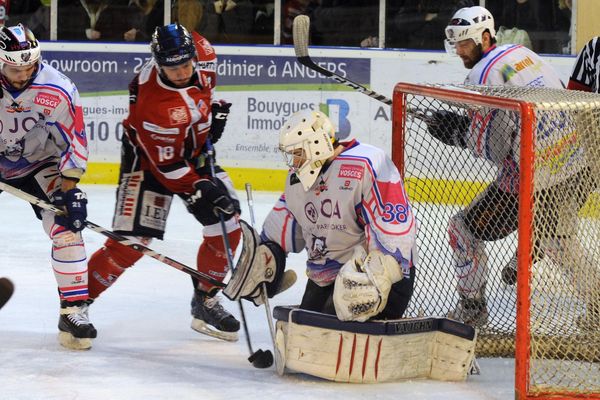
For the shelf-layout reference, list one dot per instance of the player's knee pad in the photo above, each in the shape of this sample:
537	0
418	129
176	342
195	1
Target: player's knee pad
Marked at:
123	255
68	251
108	263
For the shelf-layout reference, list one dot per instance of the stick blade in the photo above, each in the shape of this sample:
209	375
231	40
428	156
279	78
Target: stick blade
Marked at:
300	31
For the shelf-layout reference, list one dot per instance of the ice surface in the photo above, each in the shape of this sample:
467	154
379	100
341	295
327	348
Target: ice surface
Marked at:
145	348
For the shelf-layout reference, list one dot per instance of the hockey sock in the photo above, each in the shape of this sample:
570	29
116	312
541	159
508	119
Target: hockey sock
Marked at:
212	259
107	264
69	263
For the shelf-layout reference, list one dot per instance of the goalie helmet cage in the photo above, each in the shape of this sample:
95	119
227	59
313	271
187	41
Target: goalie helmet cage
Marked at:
550	323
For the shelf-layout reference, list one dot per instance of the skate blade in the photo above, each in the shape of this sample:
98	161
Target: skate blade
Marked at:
71	342
200	326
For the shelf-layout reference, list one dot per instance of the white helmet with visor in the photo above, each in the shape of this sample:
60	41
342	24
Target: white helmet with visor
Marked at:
468	23
18	46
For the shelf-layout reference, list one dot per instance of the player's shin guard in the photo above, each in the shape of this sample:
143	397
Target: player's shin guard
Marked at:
69	263
212	258
208	315
470	259
107	264
470	263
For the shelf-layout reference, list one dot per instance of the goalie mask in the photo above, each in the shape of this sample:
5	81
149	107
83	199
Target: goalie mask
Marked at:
18	46
468	23
306	141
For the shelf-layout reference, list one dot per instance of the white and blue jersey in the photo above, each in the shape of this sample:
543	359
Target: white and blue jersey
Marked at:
494	135
514	65
42	124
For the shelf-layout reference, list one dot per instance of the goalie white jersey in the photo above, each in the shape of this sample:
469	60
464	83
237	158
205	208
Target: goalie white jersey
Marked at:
42	124
357	200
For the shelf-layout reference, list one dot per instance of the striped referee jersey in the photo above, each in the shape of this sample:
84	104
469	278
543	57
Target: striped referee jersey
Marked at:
586	73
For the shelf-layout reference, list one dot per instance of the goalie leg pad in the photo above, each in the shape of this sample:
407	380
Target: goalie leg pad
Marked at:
377	351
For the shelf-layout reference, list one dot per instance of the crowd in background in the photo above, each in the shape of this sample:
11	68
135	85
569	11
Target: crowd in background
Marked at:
412	24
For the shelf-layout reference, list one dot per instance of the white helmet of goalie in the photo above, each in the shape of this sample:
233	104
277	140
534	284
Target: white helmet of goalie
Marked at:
306	140
468	23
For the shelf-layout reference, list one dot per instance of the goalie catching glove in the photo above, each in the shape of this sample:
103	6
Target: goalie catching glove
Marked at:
363	284
259	263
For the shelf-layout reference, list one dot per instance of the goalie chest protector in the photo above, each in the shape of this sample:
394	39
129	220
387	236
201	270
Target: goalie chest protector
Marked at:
375	351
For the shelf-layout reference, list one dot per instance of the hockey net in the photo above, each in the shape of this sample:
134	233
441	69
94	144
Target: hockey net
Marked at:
553	310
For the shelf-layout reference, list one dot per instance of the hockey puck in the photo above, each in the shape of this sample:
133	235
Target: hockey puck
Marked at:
509	275
261	359
6	290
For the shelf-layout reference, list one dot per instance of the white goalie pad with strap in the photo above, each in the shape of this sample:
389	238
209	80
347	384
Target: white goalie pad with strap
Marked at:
363	284
376	351
258	263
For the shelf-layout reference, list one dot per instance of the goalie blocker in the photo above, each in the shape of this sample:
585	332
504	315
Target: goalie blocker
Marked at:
258	263
375	351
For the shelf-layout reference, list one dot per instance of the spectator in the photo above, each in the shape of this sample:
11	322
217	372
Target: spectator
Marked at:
419	24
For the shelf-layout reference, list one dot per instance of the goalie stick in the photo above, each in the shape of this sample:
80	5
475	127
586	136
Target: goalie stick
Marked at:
300	31
6	290
115	236
260	358
264	295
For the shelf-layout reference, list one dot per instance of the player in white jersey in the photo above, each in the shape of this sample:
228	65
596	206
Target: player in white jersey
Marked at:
345	204
493	214
43	151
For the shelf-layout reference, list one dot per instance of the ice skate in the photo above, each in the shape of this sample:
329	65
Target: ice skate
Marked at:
210	318
471	311
76	331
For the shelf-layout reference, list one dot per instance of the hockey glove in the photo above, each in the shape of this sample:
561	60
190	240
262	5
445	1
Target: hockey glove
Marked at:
74	202
220	112
448	127
363	284
213	193
259	263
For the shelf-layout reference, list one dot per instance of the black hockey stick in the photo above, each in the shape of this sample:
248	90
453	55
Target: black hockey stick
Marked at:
300	30
115	236
265	298
6	290
260	358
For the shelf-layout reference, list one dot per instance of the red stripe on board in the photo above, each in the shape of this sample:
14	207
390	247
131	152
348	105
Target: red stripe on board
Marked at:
365	356
339	359
377	358
352	355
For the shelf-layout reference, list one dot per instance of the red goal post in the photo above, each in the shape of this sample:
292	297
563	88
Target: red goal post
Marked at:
554	356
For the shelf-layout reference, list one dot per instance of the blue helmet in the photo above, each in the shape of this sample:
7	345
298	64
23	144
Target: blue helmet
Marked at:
172	45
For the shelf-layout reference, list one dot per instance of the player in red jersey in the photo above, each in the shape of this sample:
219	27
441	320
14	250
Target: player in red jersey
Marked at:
171	116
